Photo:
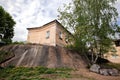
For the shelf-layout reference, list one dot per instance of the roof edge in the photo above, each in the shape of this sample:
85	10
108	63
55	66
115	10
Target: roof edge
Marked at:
49	23
43	25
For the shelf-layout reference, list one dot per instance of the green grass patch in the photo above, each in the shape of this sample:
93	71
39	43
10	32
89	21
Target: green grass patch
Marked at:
36	73
16	42
112	65
5	55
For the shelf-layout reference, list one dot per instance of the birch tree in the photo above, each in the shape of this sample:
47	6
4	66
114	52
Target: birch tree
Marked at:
93	23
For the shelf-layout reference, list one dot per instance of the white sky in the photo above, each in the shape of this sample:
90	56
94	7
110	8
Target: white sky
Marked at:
34	13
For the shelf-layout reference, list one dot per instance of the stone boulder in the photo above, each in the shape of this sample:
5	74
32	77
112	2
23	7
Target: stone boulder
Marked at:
113	72
109	72
95	68
104	72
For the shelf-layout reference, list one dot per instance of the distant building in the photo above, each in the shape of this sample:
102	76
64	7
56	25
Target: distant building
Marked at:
114	54
52	33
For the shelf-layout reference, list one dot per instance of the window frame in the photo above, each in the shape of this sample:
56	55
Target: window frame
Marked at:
60	35
47	34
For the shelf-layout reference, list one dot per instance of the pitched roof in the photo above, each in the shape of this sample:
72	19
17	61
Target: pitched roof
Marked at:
48	24
42	25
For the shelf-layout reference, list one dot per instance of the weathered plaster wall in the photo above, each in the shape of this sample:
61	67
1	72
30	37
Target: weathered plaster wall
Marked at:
39	35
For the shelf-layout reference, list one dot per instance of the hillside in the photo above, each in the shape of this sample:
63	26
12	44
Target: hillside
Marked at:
30	55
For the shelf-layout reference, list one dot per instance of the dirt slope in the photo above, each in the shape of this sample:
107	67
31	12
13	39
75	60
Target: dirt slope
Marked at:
42	55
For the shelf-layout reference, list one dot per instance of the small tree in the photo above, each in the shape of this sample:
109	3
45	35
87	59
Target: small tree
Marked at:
6	26
93	23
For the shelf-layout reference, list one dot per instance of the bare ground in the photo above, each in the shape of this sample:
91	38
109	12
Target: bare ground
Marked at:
85	74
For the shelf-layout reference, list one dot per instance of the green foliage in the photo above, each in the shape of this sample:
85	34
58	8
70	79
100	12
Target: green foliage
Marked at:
16	42
41	70
33	73
2	54
6	26
93	23
112	65
5	55
50	71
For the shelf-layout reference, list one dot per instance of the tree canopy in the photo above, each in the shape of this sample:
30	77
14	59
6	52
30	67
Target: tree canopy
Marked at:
93	23
6	26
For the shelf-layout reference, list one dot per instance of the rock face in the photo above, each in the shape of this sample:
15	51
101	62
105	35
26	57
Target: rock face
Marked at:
42	55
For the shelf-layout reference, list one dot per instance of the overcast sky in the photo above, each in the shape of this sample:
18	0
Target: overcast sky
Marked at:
34	13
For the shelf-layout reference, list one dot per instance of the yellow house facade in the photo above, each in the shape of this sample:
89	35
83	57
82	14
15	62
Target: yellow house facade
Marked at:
52	33
114	56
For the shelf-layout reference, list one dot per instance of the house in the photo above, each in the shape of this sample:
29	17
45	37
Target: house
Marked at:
114	54
52	33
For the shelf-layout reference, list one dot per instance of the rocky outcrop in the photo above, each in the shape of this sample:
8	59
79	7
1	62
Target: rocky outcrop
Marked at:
111	72
104	71
41	55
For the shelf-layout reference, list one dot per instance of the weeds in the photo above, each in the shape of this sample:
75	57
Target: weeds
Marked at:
36	73
16	42
112	65
5	55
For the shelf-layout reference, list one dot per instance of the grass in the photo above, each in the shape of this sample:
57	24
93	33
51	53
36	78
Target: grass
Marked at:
36	73
112	65
5	55
16	42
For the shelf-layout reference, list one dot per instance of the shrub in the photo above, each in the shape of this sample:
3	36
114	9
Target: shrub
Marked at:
4	55
16	42
50	71
41	70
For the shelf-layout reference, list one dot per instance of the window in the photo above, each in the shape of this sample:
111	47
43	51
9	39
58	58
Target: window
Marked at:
47	34
60	35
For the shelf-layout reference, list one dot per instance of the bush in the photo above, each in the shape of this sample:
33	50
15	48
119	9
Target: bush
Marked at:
4	55
50	71
111	65
16	42
41	70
